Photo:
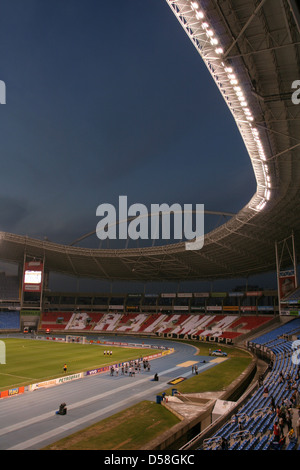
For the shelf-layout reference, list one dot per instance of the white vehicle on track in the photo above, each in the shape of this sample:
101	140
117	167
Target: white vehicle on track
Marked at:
219	352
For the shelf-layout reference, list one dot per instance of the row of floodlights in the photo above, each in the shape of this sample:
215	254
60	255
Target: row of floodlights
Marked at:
233	80
209	32
219	50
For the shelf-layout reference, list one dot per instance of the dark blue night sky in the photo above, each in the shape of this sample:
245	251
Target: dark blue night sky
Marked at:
108	98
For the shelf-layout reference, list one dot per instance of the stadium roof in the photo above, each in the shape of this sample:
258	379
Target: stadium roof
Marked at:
252	50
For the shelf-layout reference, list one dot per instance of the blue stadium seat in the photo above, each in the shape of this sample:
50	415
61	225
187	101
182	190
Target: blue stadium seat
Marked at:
258	418
10	320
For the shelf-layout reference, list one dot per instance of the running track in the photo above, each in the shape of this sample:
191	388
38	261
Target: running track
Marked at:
29	422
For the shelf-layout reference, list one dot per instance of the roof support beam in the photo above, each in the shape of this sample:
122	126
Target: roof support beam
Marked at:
284	151
259	6
279	133
268	49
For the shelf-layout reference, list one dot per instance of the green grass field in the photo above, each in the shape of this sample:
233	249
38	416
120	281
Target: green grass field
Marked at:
30	361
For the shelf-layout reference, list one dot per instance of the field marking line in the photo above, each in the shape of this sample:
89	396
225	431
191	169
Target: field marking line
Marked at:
19	376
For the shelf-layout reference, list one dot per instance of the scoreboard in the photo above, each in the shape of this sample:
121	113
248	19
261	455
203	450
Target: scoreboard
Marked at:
33	276
32	284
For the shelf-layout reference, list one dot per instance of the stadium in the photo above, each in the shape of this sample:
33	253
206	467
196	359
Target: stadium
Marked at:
252	52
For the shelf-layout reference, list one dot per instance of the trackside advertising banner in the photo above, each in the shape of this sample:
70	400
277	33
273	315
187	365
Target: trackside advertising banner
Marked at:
53	382
99	370
12	392
134	345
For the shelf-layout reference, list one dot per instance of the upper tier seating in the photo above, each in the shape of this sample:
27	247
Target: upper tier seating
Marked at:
230	326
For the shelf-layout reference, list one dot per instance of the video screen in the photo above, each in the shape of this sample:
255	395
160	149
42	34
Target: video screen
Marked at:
33	277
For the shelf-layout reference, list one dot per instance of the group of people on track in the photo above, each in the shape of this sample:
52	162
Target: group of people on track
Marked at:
131	367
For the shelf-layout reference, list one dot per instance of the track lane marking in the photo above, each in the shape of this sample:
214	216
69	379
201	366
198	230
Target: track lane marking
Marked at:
86	401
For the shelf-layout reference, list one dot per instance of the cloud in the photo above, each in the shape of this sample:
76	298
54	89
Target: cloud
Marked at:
12	212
